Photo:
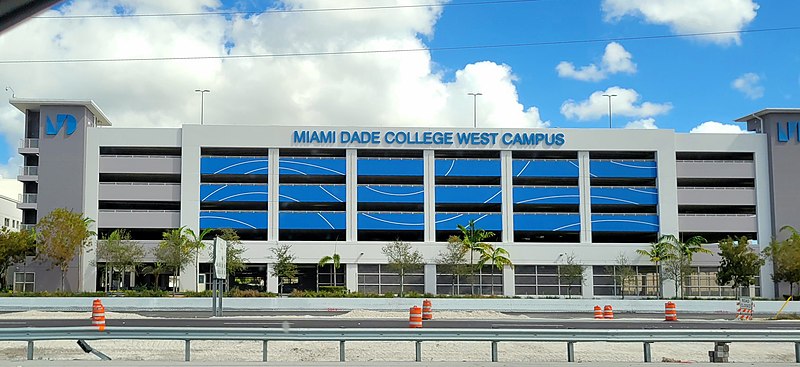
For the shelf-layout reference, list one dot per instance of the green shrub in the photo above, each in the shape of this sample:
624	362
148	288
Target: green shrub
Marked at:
247	293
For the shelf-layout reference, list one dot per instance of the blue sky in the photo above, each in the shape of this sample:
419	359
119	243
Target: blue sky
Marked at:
675	83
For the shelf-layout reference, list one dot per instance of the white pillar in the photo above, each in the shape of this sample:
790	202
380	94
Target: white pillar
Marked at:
351	196
507	195
585	194
351	277
273	173
430	278
587	289
272	281
429	195
509	283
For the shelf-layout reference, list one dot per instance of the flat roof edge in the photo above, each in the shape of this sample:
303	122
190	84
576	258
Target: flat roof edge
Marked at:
767	111
23	104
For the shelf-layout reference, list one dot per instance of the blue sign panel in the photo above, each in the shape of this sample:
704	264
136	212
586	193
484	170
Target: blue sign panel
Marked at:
625	195
486	221
62	119
468	194
312	166
305	220
544	168
546	195
791	130
624	223
623	169
233	166
233	193
542	222
390	167
390	194
235	220
467	167
391	221
312	193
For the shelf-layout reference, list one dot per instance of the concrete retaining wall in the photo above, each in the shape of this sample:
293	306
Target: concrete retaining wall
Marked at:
385	304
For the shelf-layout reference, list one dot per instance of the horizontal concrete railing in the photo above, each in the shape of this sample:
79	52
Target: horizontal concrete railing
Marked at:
383	304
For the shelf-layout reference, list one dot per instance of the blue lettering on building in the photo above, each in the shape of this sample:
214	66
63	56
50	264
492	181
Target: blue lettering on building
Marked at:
791	130
438	138
62	119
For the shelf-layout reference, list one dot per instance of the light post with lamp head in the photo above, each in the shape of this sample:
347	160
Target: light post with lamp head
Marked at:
475	108
609	107
202	101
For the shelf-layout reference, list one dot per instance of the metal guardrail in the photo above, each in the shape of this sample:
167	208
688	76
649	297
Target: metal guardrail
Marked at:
494	336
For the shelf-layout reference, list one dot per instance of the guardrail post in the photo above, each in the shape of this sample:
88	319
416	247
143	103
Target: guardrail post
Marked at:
30	350
418	351
264	352
341	350
570	351
494	351
187	351
647	355
796	351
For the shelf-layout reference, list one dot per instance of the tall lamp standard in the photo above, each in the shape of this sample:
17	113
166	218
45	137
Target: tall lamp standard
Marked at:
475	108
609	107
202	101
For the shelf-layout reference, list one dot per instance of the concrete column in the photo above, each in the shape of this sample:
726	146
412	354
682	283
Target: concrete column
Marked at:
764	216
507	194
429	196
190	197
585	193
351	205
588	282
509	282
430	278
88	255
273	195
351	277
272	281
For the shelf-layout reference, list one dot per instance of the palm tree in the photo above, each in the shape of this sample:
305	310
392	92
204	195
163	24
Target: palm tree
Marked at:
685	252
472	241
196	243
156	269
336	262
659	251
497	257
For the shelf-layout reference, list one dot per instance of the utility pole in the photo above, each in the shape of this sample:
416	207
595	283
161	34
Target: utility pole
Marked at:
202	102
475	108
609	107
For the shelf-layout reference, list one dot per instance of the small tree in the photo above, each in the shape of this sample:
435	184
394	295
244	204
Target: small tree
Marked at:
174	251
472	240
14	247
234	251
570	273
284	268
119	252
335	262
740	264
402	259
196	243
624	274
785	257
497	257
156	270
660	251
453	260
61	236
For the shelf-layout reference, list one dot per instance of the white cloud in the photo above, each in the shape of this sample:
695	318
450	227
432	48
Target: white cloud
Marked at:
689	16
749	85
615	60
713	127
648	123
626	103
397	89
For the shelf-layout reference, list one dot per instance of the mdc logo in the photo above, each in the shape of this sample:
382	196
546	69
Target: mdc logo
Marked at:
789	130
61	120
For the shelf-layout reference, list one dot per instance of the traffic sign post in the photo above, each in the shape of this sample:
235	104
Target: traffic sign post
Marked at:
220	275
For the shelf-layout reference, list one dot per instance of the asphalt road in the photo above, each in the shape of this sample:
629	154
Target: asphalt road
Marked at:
317	322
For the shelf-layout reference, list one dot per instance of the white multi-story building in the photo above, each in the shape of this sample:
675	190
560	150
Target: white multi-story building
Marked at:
546	194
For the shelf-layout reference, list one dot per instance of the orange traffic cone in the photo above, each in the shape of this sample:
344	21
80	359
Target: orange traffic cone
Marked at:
608	312
99	315
598	312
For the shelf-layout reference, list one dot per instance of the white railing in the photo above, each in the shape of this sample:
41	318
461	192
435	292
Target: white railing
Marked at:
29	198
29	170
29	143
493	336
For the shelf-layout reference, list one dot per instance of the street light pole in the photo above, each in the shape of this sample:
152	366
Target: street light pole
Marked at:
475	108
202	102
609	107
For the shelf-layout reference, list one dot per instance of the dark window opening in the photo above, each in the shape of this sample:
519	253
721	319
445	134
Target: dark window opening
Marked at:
625	208
234	152
234	206
32	124
31	160
442	236
140	177
234	179
716	182
138	234
310	206
468	180
624	237
468	208
388	236
404	180
139	205
547	236
168	151
466	153
544	154
312	179
623	155
715	237
545	181
717	209
311	234
312	152
625	182
714	156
